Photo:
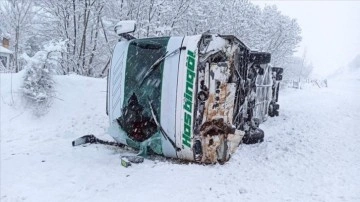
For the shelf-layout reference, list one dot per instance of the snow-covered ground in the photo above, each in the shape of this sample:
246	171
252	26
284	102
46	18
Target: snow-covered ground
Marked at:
311	152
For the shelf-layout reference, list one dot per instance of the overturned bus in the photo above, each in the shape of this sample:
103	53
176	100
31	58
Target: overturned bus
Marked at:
195	97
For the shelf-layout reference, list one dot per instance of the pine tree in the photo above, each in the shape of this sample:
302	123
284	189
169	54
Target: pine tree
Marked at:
38	88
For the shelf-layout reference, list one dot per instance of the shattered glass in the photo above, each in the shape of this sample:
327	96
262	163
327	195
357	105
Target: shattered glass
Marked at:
137	119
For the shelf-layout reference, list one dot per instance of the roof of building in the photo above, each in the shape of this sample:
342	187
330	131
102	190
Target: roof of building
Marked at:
5	50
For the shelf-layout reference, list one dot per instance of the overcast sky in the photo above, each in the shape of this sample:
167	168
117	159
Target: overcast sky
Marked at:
330	30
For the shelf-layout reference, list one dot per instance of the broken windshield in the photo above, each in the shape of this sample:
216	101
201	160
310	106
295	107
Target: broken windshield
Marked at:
137	115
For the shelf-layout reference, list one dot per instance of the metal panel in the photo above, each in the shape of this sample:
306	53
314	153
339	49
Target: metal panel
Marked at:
168	96
190	42
117	80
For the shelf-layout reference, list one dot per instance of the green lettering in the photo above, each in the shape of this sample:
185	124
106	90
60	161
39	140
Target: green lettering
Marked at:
190	63
191	54
188	101
188	97
186	135
189	89
190	76
188	106
187	119
186	142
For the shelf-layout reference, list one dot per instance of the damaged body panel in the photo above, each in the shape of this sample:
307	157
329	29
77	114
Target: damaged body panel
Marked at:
194	98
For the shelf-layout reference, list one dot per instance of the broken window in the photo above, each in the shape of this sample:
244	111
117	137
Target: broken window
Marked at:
143	83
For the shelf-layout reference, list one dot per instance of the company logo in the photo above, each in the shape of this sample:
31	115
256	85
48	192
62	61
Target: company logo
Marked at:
188	97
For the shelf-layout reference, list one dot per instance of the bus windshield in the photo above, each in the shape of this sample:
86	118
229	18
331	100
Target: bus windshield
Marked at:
139	92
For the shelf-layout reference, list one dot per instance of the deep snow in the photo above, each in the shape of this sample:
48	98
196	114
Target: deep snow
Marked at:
311	152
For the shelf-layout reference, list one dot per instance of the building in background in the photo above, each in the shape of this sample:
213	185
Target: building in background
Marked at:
5	53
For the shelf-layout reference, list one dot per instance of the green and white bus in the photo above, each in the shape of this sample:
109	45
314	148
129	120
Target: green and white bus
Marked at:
192	97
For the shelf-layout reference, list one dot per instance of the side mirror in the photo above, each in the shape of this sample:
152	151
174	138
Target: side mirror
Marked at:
124	27
260	57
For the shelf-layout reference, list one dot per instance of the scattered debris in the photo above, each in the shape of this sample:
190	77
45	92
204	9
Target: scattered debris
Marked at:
134	159
125	162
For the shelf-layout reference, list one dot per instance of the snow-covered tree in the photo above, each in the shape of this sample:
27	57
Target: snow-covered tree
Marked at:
38	85
38	88
86	26
16	16
78	23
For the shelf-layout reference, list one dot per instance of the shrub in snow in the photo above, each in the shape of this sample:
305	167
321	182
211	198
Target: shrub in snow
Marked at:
38	88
